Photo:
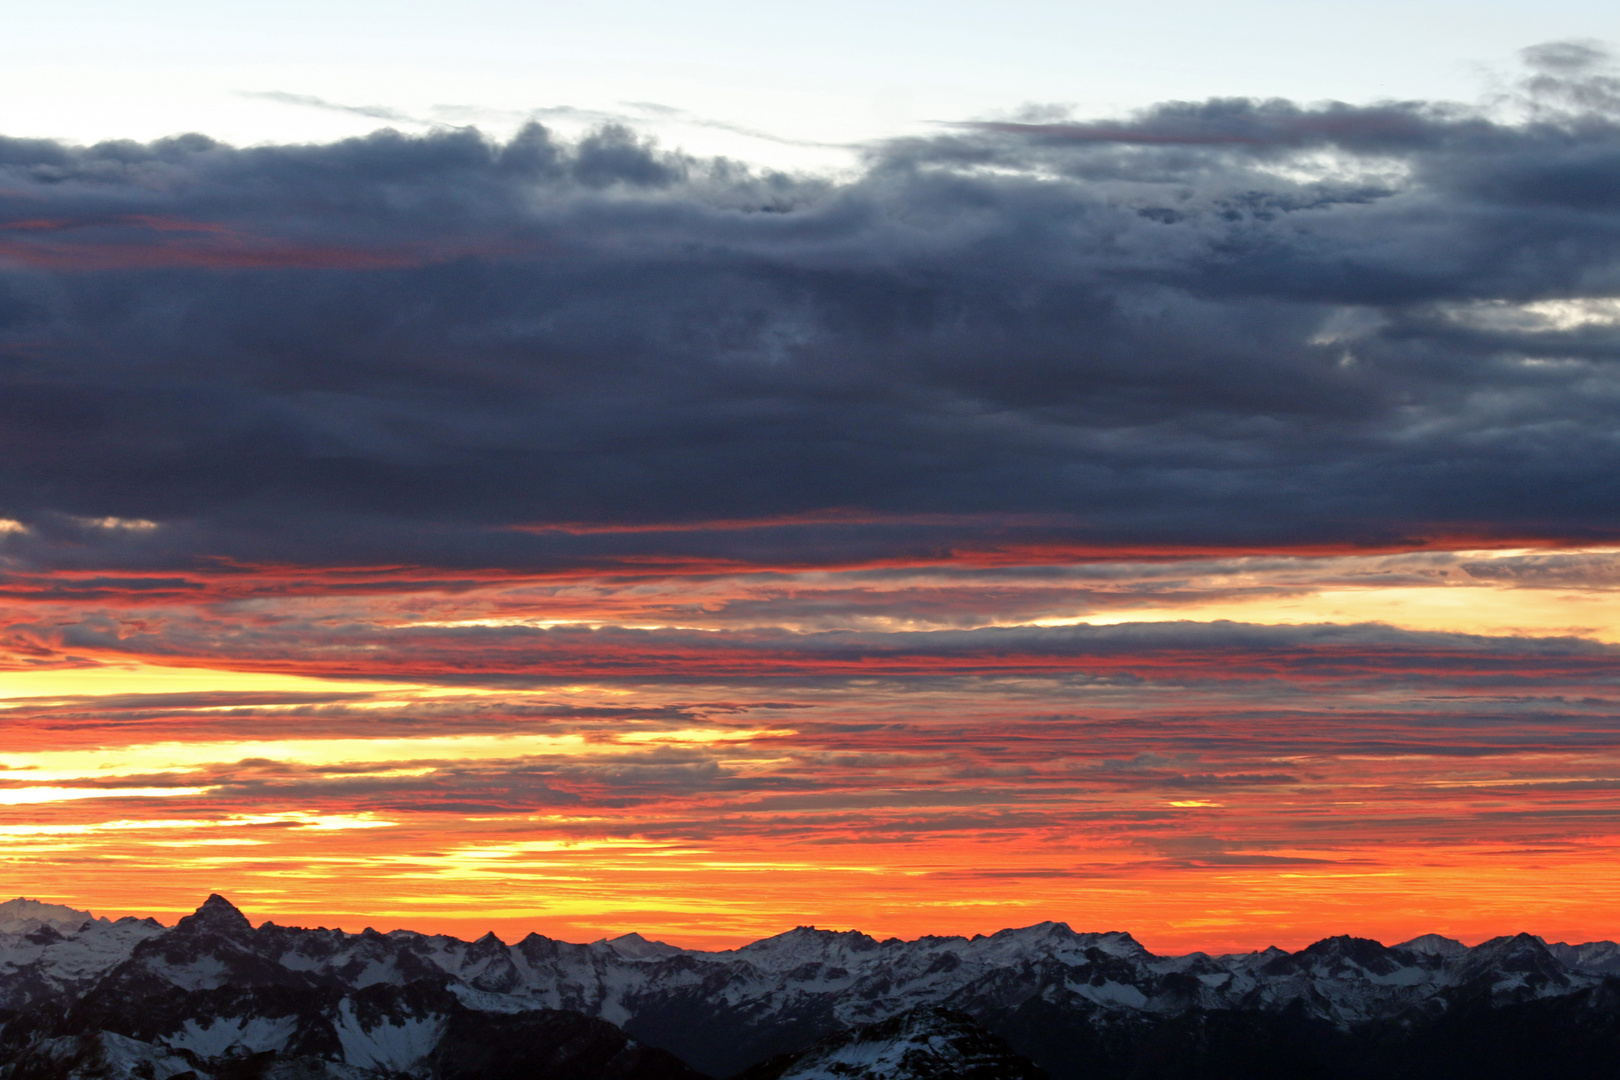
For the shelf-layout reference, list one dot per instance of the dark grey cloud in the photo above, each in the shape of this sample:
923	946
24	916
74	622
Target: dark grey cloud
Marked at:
1221	323
534	656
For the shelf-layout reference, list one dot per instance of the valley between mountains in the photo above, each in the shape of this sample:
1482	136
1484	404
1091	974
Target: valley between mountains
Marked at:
216	998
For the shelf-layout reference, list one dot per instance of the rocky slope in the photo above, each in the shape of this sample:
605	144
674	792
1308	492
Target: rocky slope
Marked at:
929	1042
216	993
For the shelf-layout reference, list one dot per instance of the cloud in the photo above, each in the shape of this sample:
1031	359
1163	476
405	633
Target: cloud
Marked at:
375	112
528	655
1572	74
1227	324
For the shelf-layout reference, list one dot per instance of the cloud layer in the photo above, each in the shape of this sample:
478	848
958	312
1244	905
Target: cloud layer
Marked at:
1228	323
1202	523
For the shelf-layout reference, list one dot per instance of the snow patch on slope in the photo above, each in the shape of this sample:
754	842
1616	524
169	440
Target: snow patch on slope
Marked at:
101	1055
251	1034
393	1045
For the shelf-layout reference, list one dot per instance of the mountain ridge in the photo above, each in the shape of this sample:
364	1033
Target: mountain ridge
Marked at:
215	989
634	945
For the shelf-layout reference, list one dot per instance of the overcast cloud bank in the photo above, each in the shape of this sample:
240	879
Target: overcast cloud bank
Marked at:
1227	323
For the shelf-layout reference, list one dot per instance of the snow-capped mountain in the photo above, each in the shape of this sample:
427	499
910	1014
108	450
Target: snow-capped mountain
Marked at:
214	989
23	916
929	1042
49	952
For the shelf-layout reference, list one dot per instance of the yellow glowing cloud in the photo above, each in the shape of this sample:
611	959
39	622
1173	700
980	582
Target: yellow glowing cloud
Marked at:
29	796
1465	609
177	757
155	679
702	736
297	818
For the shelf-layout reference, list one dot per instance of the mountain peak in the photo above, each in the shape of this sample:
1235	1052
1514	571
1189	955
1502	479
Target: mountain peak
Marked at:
1343	945
22	915
1059	931
813	933
1365	953
216	914
1434	945
633	946
806	944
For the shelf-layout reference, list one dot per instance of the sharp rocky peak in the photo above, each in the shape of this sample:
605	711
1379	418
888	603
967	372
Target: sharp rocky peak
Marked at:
216	915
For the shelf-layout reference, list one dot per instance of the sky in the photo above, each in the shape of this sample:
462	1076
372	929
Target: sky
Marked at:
917	470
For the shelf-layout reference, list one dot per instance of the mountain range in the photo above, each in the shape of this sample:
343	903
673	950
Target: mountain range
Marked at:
217	997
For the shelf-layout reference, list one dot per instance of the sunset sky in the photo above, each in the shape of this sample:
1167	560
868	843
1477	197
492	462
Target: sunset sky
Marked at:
592	491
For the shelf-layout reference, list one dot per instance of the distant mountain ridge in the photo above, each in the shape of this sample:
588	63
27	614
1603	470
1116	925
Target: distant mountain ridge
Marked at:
214	994
22	916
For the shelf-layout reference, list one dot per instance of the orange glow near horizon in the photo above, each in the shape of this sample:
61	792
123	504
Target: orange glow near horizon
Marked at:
1218	753
1467	893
